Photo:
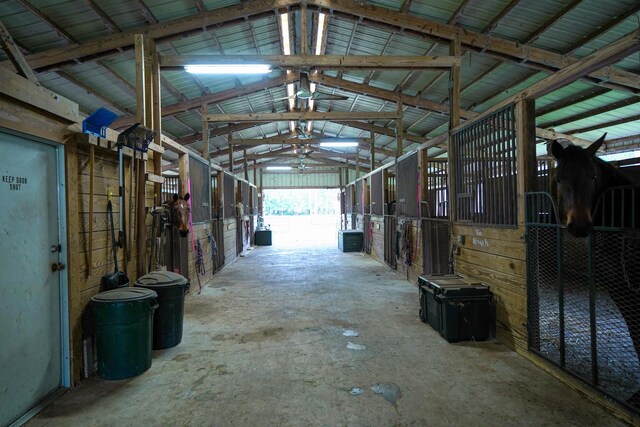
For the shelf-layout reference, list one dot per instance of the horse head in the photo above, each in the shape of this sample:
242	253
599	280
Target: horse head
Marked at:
578	178
179	213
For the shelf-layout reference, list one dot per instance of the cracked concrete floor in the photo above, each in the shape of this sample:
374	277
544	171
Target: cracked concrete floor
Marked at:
265	344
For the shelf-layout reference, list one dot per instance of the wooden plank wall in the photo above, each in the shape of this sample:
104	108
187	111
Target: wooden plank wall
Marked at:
377	240
496	256
229	240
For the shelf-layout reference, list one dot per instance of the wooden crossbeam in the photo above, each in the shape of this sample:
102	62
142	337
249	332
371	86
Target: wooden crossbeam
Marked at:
604	125
591	113
14	54
316	62
302	115
214	98
292	139
607	55
473	40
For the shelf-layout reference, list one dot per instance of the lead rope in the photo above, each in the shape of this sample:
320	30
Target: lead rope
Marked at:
200	269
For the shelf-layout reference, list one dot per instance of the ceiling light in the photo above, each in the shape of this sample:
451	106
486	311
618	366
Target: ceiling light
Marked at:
278	168
339	144
321	21
228	68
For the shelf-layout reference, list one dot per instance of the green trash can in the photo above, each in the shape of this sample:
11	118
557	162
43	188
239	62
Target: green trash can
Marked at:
124	325
168	318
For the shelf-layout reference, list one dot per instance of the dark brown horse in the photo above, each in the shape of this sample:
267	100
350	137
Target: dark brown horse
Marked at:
179	213
582	178
590	192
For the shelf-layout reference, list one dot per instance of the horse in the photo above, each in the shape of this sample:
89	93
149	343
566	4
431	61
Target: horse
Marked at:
591	191
179	213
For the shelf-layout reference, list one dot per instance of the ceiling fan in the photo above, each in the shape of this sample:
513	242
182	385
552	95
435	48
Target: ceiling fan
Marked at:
301	130
304	92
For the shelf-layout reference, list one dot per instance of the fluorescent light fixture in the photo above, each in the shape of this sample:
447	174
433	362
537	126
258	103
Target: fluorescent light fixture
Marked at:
620	156
321	21
339	144
278	168
228	68
284	28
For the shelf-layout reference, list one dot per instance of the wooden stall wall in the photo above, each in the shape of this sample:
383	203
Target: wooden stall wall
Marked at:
410	263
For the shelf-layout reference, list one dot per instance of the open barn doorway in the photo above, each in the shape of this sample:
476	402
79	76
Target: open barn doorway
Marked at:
302	217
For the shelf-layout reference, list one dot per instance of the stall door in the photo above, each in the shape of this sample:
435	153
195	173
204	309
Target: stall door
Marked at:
30	289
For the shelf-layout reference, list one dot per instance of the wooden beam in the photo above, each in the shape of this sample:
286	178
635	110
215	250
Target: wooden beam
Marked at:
387	95
399	131
291	139
20	89
459	12
303	29
152	177
496	20
604	29
303	115
205	133
214	98
162	32
551	21
605	125
591	113
609	54
372	150
315	62
454	86
14	54
473	40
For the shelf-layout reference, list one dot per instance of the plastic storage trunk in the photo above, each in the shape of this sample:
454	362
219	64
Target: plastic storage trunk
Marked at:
459	309
263	237
350	240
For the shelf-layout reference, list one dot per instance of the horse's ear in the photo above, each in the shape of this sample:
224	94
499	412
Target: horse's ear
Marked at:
175	197
556	149
186	197
593	148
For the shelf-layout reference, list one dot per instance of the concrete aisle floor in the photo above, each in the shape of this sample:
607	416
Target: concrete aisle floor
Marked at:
265	344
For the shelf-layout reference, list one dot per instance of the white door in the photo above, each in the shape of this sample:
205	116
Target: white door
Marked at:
31	350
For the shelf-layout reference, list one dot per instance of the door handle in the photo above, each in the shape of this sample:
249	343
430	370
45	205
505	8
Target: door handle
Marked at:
57	266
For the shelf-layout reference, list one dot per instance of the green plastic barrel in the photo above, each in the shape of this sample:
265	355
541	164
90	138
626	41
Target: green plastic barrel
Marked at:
124	325
168	318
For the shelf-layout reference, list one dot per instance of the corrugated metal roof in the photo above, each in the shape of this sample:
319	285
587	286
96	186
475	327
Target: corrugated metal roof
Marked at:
485	79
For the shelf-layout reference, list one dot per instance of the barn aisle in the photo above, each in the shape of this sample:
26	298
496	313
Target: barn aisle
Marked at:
290	335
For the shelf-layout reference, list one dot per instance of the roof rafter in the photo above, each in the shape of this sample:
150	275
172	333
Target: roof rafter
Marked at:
558	16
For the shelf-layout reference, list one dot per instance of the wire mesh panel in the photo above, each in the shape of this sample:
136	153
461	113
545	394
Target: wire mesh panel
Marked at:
436	232
377	196
217	234
200	190
485	154
407	186
246	197
228	185
348	199
584	300
367	233
176	252
391	240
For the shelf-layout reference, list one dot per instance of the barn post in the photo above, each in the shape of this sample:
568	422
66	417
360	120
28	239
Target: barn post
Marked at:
205	132
372	148
526	153
245	164
400	131
230	139
144	114
157	123
454	120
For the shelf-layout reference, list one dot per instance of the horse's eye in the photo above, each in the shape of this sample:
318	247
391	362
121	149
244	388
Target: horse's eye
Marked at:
593	177
557	180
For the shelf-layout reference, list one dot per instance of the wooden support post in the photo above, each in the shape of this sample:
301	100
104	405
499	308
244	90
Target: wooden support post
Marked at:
260	194
230	138
342	201
303	29
183	166
140	87
157	124
372	148
245	164
400	131
205	133
357	163
255	171
454	120
526	153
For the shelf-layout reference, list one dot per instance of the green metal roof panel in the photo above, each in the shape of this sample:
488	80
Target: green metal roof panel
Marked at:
477	15
164	10
27	29
440	11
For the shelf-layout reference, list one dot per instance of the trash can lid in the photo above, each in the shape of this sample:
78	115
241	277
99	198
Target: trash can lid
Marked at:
124	295
161	279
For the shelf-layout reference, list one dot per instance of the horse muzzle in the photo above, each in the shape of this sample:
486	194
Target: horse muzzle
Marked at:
580	227
184	233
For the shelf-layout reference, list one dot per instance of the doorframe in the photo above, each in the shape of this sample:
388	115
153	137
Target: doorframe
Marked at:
65	337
